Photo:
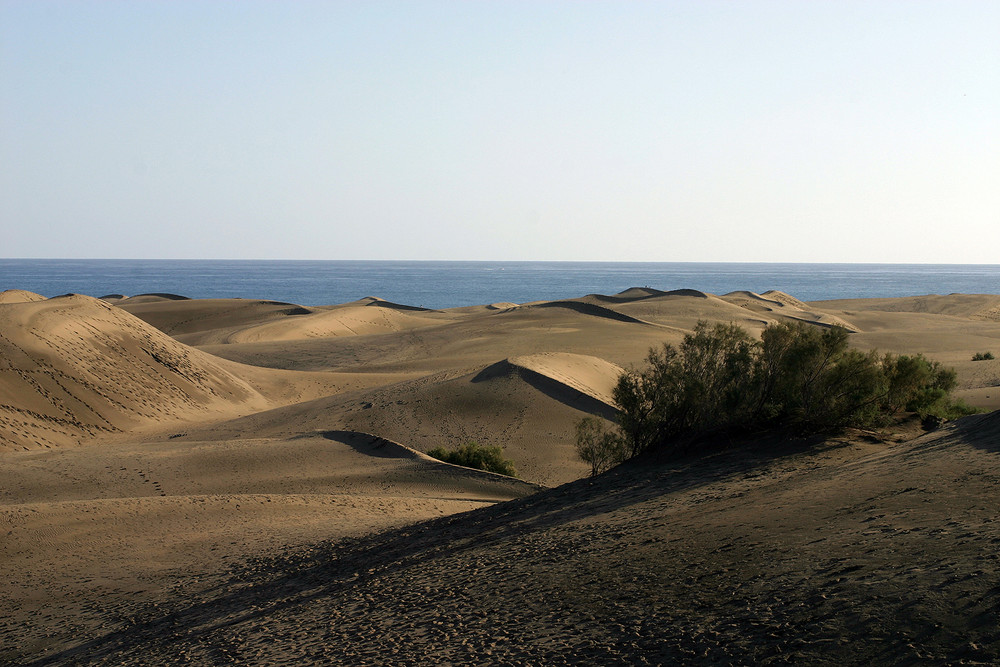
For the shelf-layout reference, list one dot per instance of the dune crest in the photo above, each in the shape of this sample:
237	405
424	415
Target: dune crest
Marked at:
582	381
785	299
232	321
348	321
587	308
639	293
588	375
777	306
19	296
153	297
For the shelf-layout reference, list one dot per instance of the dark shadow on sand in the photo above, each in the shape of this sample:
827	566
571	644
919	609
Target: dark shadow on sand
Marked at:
259	588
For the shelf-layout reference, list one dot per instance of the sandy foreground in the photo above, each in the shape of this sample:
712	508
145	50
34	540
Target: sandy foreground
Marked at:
230	480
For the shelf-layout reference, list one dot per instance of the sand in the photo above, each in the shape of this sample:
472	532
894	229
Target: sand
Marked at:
206	481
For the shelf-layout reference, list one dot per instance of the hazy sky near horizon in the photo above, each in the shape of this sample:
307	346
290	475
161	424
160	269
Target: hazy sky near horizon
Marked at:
812	131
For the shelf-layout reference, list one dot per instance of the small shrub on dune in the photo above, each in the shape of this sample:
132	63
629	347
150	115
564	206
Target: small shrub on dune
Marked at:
474	455
982	356
722	382
601	448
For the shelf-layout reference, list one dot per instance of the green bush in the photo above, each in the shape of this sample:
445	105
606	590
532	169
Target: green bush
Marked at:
473	455
600	448
721	381
982	356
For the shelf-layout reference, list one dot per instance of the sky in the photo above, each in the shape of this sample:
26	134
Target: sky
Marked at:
750	131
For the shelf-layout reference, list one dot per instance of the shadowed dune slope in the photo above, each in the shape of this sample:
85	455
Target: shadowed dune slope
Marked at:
137	517
843	553
73	367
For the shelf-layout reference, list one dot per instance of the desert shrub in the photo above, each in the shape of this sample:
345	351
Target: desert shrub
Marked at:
982	356
808	377
601	448
474	455
702	385
720	381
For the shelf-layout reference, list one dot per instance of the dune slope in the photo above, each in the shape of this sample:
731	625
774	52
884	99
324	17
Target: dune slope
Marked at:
97	527
529	414
846	553
74	367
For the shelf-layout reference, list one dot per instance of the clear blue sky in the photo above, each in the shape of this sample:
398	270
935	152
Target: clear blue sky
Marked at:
677	131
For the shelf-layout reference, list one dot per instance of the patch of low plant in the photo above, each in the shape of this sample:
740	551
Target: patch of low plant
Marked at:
474	455
982	356
601	448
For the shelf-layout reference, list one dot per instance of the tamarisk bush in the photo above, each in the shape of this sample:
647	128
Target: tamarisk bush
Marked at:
722	382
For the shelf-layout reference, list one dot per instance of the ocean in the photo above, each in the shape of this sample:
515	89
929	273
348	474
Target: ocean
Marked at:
434	284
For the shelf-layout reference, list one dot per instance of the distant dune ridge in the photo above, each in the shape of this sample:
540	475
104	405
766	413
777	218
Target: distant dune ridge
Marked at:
196	478
19	296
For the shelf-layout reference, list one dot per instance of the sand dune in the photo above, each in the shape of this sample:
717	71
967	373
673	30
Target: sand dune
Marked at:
224	321
639	293
253	486
193	320
786	299
532	421
464	339
684	308
589	309
75	367
358	321
785	308
587	375
152	297
19	296
971	306
382	303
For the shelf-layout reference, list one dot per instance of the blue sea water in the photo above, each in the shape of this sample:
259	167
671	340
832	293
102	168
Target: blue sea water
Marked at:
450	284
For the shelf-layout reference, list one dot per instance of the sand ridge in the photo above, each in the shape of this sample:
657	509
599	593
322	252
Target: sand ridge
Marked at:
19	296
